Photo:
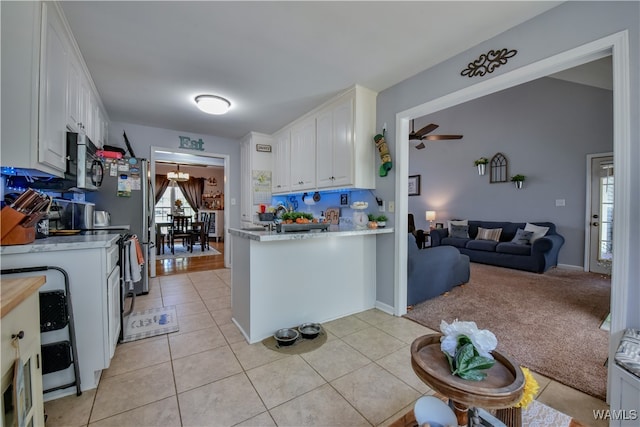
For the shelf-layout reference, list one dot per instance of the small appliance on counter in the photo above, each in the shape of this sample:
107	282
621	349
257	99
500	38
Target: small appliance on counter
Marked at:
71	215
101	219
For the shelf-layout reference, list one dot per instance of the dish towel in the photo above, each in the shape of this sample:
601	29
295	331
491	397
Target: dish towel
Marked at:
132	270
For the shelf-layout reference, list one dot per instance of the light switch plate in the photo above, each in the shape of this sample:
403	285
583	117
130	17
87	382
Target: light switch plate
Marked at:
560	202
392	206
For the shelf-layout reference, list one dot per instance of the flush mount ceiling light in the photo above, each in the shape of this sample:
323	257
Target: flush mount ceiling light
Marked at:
212	104
177	176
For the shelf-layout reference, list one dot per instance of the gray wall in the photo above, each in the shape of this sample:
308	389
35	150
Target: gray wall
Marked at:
545	128
142	138
570	25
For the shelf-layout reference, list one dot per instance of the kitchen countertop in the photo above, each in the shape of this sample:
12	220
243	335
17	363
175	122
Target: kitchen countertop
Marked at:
14	291
91	240
333	231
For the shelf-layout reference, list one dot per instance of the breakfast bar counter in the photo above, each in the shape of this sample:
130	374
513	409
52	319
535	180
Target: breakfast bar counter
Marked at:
281	280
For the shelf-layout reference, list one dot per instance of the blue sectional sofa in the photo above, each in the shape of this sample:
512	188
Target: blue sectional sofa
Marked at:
433	271
537	257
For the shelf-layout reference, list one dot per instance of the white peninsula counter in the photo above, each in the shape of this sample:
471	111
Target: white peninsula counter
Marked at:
281	280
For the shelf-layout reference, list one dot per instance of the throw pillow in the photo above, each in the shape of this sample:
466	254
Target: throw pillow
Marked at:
460	231
456	222
522	237
489	234
538	231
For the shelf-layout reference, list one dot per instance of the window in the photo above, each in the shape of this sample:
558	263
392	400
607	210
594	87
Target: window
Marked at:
166	204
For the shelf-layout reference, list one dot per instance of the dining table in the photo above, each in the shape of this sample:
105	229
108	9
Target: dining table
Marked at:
163	228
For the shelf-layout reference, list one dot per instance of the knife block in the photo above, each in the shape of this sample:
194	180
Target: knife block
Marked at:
11	232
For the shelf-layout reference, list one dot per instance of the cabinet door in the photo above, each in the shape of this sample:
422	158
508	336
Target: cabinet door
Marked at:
282	162
73	93
113	307
343	143
303	150
52	142
245	183
324	148
334	145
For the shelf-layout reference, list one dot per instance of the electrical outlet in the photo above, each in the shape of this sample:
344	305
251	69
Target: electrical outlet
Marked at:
560	202
381	207
392	206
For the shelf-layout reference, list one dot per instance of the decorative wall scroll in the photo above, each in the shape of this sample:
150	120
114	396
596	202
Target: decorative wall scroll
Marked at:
488	62
499	169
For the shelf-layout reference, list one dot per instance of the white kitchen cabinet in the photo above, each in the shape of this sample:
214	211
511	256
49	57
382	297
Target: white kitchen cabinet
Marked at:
54	60
23	319
345	150
94	292
280	177
303	150
46	84
253	161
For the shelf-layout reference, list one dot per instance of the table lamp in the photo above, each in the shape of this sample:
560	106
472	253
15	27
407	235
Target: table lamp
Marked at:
431	216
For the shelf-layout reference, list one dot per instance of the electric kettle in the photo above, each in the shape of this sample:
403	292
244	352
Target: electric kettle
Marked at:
102	219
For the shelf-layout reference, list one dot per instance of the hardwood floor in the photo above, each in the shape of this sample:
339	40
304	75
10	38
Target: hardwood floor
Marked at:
166	267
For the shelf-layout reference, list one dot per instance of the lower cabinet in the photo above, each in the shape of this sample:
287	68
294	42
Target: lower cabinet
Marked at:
95	296
24	319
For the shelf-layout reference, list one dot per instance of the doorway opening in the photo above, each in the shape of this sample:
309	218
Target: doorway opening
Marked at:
615	45
214	196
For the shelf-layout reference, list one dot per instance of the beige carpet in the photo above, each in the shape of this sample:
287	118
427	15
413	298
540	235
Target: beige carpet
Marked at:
548	322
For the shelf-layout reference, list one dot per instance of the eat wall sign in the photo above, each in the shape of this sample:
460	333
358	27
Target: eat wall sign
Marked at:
191	144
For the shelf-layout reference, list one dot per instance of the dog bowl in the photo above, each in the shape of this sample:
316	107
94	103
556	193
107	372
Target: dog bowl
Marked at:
309	330
286	336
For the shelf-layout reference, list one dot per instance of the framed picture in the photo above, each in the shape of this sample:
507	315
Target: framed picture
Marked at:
439	225
414	185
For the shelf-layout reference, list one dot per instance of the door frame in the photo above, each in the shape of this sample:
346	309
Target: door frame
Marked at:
616	45
587	224
153	151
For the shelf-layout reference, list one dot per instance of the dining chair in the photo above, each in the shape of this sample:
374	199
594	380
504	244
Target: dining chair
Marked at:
181	229
201	232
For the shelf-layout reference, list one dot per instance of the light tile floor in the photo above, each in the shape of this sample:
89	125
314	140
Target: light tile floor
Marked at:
207	375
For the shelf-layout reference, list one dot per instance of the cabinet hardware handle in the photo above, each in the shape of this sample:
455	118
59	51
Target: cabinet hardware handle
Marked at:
19	335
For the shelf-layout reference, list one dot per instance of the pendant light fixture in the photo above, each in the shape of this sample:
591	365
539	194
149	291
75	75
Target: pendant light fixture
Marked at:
177	176
213	104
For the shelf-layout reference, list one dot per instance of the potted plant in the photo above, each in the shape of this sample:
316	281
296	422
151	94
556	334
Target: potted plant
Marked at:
481	164
382	221
518	180
372	221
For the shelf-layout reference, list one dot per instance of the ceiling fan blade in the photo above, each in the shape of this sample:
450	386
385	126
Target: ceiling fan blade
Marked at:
427	129
441	137
420	146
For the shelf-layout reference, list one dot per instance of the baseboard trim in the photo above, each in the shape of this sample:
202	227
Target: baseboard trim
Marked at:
571	267
384	307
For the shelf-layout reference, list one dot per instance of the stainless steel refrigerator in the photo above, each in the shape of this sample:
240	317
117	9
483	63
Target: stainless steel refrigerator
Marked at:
126	194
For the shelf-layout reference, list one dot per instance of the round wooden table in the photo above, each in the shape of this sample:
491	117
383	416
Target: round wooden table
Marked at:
502	388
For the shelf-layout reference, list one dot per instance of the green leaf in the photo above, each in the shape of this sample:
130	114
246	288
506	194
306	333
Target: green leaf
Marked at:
473	375
463	357
480	362
450	360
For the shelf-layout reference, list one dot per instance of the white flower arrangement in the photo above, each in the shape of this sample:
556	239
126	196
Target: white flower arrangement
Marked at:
468	349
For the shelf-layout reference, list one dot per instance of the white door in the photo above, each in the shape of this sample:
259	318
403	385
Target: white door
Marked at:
113	307
601	219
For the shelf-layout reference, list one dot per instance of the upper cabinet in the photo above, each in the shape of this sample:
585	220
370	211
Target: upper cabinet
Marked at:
330	147
255	169
302	161
47	85
281	175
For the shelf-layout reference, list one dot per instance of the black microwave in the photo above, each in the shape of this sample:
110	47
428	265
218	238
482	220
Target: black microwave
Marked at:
84	166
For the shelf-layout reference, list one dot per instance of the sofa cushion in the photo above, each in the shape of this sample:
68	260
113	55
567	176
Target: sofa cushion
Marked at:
522	237
513	248
453	241
482	245
453	222
538	231
489	234
460	231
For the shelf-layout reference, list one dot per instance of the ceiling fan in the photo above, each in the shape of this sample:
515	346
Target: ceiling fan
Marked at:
421	135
